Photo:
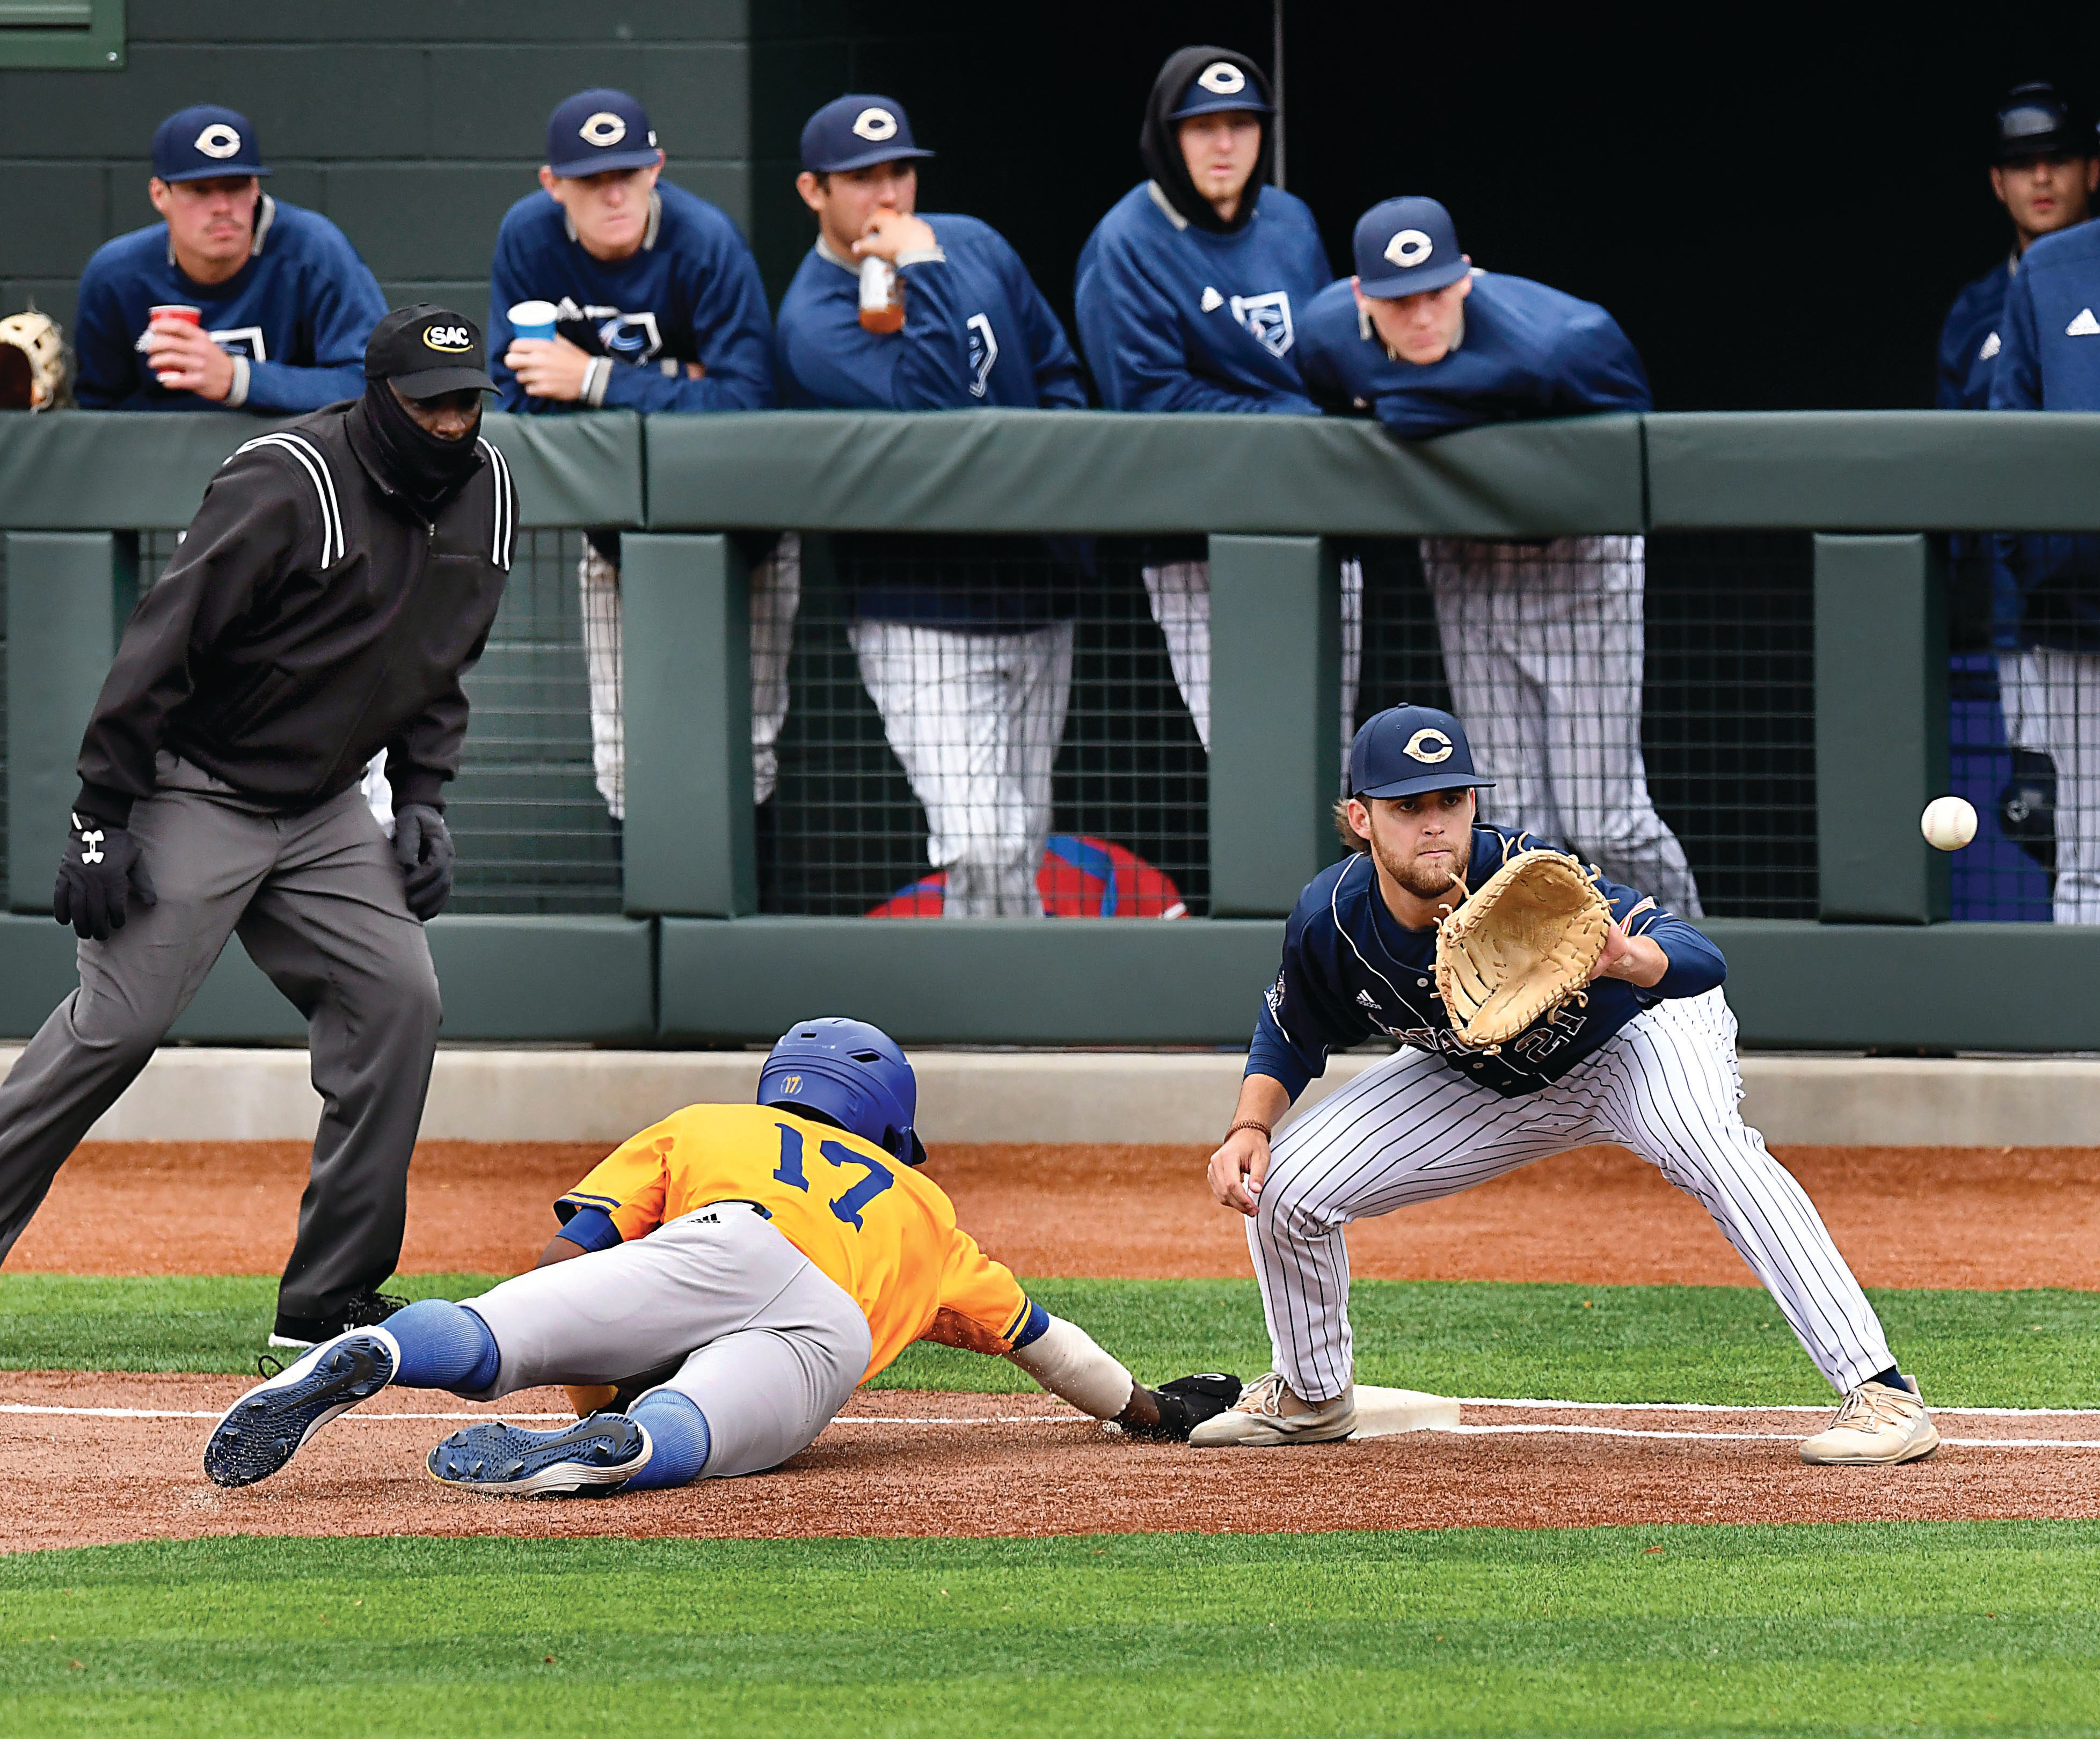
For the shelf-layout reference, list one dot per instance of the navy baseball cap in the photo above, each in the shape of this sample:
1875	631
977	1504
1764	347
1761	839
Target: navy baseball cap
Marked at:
1222	84
2038	120
853	132
1406	750
427	350
596	130
1405	247
204	141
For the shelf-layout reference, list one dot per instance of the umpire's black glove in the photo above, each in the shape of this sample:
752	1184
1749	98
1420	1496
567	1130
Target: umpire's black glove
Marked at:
424	850
100	872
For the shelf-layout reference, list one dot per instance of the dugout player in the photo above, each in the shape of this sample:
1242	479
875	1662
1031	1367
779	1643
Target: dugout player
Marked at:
2049	359
745	1268
338	580
285	304
1188	296
1648	1061
2044	171
965	645
658	307
1543	639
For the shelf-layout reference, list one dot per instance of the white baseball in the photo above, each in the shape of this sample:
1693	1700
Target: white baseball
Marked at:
1948	823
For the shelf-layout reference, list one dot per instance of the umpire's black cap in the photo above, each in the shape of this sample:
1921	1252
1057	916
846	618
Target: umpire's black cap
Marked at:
2040	121
1405	751
427	350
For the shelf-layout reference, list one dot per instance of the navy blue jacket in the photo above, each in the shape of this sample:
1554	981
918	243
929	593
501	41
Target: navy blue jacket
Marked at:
300	311
977	332
2048	360
1176	318
1526	351
1350	970
690	294
1968	341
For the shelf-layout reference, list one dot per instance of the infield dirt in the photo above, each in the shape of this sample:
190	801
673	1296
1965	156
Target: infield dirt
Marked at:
1993	1218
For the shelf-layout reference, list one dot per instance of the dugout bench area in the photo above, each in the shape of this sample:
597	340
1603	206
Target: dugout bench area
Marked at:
1797	716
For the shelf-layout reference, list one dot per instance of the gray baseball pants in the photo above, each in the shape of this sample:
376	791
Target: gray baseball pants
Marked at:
316	900
754	1333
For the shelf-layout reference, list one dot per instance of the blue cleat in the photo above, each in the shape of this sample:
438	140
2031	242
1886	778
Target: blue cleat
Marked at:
594	1455
271	1424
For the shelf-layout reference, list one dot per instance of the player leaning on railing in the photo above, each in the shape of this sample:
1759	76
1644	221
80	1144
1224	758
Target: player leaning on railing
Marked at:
721	1284
1639	1049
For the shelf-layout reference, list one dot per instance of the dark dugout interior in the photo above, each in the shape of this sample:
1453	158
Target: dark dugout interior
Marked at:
1778	205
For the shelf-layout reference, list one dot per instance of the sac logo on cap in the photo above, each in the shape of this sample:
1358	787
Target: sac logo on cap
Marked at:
218	140
875	125
603	129
1222	78
1411	247
1432	746
453	338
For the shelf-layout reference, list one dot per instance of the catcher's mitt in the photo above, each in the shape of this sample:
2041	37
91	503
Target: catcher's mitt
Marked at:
35	363
1520	948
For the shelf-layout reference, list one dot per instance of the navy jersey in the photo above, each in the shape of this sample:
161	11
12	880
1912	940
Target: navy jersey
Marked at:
2048	360
1526	351
1968	341
1176	318
1350	970
976	332
299	313
689	295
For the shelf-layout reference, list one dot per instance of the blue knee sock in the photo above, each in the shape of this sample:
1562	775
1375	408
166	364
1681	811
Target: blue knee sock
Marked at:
678	1441
443	1346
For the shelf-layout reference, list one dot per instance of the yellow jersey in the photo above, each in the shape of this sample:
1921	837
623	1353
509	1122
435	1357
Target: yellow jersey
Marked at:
883	1232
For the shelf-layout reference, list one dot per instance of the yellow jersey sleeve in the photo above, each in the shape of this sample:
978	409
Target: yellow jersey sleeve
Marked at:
629	1183
982	1291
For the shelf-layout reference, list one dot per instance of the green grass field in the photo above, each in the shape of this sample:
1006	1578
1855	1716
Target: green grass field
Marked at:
1927	1628
1715	1344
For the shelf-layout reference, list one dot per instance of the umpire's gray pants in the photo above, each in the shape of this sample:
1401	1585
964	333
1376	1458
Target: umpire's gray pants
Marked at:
316	900
761	1339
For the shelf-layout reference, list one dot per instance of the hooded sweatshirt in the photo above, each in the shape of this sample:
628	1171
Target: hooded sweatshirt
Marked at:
1180	311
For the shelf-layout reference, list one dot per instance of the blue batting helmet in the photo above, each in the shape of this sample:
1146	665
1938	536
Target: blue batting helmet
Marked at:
851	1074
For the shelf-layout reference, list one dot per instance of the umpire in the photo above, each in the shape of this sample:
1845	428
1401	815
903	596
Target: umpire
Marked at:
339	578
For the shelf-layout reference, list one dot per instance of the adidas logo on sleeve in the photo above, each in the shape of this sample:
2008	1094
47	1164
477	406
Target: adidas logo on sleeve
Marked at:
2083	327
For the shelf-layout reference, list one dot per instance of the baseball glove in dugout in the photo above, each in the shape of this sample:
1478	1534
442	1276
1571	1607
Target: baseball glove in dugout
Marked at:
1521	946
35	365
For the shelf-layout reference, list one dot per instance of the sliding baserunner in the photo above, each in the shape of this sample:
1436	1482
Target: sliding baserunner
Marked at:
740	1270
1647	1060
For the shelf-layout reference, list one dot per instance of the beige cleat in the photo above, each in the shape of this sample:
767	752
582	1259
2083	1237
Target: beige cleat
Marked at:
1268	1414
1878	1427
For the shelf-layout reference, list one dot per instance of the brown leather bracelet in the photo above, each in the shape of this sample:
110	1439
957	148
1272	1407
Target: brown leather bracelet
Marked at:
1250	1124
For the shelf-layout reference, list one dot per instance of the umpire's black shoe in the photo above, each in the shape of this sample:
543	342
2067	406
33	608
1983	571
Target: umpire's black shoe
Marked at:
359	1310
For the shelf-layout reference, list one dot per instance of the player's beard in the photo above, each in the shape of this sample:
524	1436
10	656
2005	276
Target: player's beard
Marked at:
1424	883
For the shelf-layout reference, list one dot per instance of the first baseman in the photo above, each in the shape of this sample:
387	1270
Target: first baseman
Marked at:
336	583
739	1270
1647	1060
1543	639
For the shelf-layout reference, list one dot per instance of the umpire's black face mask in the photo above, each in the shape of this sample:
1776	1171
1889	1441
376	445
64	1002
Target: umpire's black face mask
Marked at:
427	469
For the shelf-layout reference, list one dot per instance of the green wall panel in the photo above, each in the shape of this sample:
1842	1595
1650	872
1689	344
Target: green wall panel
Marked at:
1100	471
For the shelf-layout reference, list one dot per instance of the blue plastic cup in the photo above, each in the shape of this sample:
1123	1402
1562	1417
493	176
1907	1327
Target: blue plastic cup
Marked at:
532	320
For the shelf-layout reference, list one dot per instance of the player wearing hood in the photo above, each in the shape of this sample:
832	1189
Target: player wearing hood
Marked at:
1188	298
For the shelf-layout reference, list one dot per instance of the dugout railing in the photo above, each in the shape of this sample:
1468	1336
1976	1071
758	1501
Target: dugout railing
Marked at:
1837	510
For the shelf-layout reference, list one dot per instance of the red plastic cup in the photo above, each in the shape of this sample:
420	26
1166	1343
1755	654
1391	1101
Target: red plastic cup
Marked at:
176	310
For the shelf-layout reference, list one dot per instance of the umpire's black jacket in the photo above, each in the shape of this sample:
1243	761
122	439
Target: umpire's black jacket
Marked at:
310	618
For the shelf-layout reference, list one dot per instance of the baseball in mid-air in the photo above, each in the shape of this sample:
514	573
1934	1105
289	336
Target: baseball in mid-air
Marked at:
1948	823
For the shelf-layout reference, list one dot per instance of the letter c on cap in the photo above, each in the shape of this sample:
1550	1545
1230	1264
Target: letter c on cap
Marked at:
1411	247
1222	78
218	140
1431	745
876	124
603	130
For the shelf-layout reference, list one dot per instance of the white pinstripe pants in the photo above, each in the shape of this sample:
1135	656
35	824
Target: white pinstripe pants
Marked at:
1412	1130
